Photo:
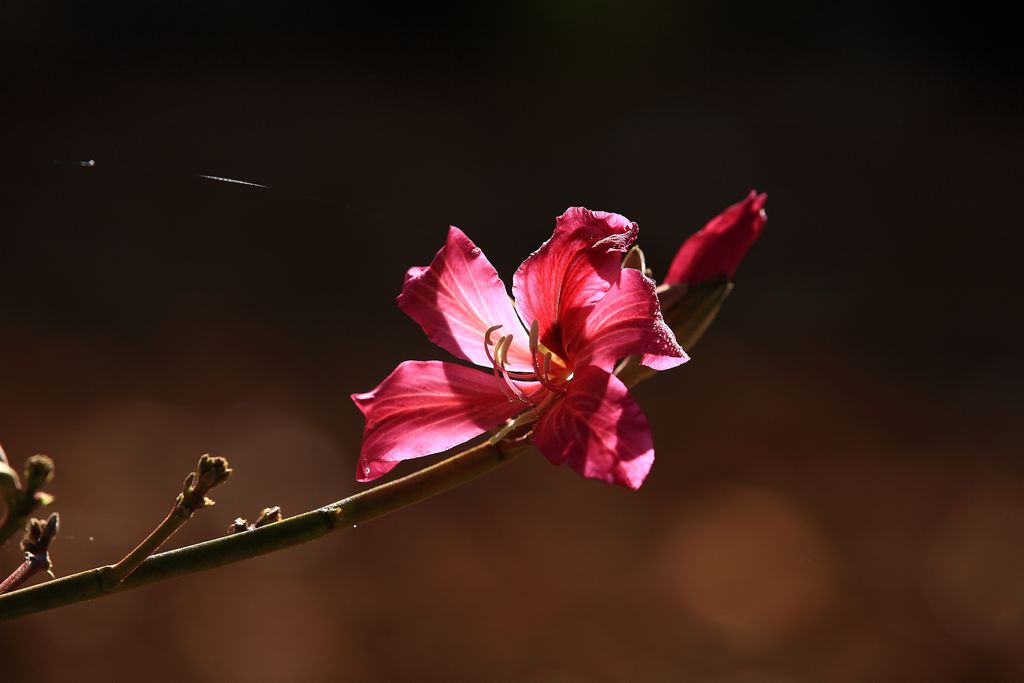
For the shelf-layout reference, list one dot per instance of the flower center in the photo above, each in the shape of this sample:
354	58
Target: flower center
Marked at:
548	369
551	371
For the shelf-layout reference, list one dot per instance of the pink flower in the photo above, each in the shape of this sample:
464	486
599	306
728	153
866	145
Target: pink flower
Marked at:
584	312
717	249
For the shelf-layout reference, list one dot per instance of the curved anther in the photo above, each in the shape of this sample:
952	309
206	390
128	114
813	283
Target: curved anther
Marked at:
501	349
505	383
488	343
518	376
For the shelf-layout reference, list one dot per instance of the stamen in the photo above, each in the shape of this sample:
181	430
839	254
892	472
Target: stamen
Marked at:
507	343
542	374
503	386
560	388
534	348
507	378
501	349
511	391
518	376
522	376
488	342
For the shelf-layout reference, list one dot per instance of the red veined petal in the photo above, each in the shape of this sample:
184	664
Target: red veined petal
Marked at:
571	270
426	407
717	249
458	297
625	321
598	430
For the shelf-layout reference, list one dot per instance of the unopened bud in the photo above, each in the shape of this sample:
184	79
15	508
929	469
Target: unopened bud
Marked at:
39	534
38	472
268	516
239	525
210	472
717	249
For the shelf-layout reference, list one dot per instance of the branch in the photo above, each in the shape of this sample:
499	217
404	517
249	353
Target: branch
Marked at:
688	311
210	472
308	526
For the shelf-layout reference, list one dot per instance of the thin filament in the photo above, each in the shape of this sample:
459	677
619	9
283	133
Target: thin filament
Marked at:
542	375
511	391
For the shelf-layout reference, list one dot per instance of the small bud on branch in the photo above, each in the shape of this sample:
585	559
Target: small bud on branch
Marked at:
38	473
36	544
22	500
211	472
266	516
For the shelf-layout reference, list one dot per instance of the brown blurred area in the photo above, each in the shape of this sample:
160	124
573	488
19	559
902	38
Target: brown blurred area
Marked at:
838	493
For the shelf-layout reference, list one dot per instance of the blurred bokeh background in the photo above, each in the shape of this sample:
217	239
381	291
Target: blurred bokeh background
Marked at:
839	490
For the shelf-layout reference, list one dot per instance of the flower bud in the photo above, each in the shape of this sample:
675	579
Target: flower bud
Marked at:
38	472
268	516
210	472
717	249
238	526
39	534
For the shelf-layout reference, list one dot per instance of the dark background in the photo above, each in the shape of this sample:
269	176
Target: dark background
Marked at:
838	494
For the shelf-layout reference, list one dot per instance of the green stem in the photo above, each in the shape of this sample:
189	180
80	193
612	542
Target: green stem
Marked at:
303	528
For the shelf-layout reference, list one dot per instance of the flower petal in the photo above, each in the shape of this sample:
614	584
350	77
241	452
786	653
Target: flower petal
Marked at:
458	297
717	249
426	407
626	321
598	430
571	270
